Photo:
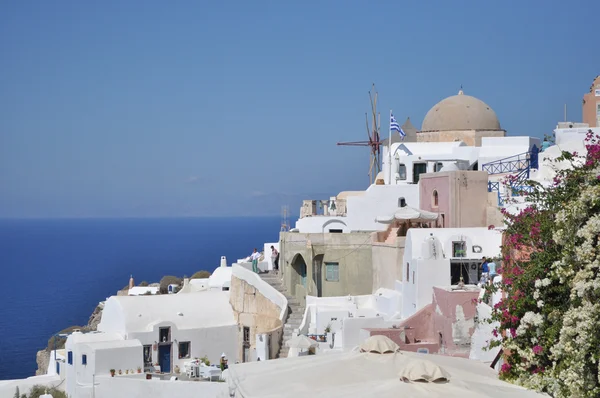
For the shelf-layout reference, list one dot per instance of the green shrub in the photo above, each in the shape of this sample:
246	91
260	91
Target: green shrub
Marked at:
168	280
38	390
205	360
143	283
201	275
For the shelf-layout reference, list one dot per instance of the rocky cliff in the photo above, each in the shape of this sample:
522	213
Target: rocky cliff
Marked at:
43	356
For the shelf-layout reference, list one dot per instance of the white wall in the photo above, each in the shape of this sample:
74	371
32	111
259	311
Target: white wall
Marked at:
210	342
319	224
351	330
99	362
127	387
8	387
424	272
561	136
362	210
483	329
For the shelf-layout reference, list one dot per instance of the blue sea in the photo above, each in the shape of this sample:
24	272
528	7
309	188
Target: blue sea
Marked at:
55	271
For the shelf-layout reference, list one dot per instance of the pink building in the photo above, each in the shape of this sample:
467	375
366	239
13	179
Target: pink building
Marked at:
443	327
461	197
591	104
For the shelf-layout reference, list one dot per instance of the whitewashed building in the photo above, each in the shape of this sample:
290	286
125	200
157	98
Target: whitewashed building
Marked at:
174	328
94	354
440	257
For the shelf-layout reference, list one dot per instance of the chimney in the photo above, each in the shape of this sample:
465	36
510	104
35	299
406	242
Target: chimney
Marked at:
223	261
186	281
131	283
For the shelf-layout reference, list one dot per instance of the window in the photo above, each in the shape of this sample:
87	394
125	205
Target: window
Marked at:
459	249
164	335
147	355
443	218
70	357
408	272
418	169
402	171
84	359
401	202
413	277
332	272
247	335
435	199
437	167
57	367
335	231
184	349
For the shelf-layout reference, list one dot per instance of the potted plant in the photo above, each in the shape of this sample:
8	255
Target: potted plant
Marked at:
329	334
139	369
120	372
112	373
177	370
126	371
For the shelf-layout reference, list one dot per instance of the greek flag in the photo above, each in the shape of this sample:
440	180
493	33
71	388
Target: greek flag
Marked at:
395	126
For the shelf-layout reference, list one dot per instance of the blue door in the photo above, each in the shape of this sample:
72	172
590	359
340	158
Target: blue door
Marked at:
164	358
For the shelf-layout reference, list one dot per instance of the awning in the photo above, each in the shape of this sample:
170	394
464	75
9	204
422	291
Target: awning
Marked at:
408	213
301	342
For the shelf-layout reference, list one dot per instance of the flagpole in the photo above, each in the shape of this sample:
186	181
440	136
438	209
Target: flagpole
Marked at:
390	150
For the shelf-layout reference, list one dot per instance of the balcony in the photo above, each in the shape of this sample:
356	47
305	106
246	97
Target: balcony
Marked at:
323	208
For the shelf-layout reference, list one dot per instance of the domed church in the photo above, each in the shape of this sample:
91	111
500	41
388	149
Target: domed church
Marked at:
460	118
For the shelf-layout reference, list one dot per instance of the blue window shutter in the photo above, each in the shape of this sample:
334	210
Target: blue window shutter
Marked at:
84	359
70	357
57	367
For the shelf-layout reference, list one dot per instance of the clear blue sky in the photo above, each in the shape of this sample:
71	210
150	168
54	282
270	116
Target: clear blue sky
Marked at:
147	108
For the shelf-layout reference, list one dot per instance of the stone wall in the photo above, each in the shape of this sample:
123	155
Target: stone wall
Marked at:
304	257
387	263
255	311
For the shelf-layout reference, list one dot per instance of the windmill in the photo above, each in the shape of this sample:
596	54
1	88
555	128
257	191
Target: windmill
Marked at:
373	133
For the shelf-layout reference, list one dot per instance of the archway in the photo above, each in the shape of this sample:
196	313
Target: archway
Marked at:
318	273
299	274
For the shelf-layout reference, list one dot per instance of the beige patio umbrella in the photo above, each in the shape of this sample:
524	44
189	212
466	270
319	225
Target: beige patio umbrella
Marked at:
301	342
379	344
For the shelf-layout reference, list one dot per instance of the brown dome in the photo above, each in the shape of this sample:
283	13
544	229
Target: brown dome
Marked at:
460	112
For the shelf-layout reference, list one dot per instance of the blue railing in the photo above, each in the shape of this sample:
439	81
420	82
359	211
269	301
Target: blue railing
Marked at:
520	165
508	165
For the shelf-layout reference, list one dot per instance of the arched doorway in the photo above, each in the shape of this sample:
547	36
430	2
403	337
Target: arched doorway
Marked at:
318	273
299	274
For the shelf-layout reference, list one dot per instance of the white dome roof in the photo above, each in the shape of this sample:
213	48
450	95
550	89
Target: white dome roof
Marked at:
460	112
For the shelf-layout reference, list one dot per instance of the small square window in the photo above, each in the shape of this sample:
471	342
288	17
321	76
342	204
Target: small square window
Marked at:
184	349
70	357
84	359
332	273
459	249
402	172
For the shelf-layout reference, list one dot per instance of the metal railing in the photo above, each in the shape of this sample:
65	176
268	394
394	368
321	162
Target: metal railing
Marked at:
508	165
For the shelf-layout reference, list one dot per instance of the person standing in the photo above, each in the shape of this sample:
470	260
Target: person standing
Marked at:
255	256
492	270
275	259
485	271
